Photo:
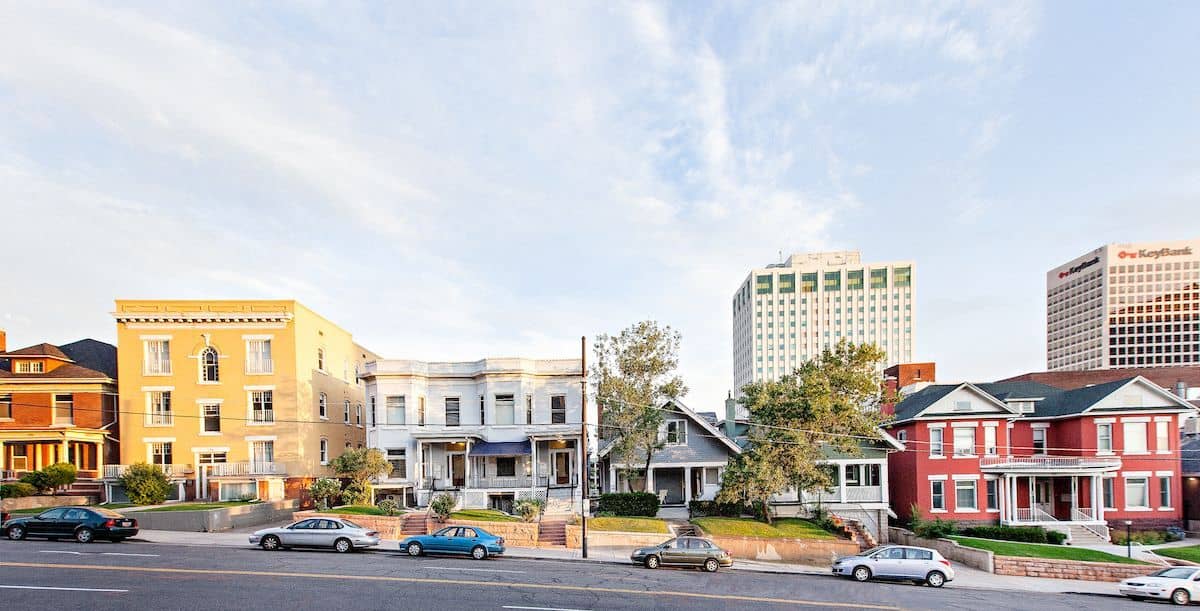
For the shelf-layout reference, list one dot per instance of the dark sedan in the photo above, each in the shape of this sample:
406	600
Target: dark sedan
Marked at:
84	524
683	551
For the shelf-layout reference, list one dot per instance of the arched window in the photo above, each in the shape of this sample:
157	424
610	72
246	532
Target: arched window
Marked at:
209	369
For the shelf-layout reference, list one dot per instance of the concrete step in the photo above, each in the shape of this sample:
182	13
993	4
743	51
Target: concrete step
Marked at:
552	532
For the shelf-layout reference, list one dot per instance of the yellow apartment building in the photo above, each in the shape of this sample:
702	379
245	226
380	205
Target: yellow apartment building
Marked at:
235	398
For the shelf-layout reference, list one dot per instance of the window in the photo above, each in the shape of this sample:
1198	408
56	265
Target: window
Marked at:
1164	491
964	441
808	283
212	417
157	357
399	459
210	370
862	475
901	436
903	277
213	458
346	411
262	406
1135	437
962	406
6	406
993	500
161	454
833	281
676	432
506	466
64	409
159	413
935	442
964	496
1039	441
358	414
787	283
262	453
879	278
258	356
372	413
421	411
937	492
1135	493
528	409
452	415
323	407
854	280
911	553
505	406
762	284
30	367
395	409
320	359
324	451
989	440
1162	441
558	409
1104	438
712	476
482	414
1109	487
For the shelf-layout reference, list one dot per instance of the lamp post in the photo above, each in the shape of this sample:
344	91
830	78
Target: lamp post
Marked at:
1128	539
585	480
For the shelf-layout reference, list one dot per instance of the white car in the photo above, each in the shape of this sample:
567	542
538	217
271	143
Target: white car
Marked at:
338	533
897	562
1179	584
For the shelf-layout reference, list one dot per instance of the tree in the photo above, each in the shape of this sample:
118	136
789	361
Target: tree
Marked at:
322	489
360	466
829	404
60	474
634	374
145	484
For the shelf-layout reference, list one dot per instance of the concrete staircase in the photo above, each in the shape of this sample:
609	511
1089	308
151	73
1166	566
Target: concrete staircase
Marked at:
561	501
686	530
91	489
414	524
552	532
1087	536
855	530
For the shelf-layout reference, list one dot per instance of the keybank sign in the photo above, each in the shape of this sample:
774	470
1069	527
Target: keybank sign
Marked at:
1078	268
1155	254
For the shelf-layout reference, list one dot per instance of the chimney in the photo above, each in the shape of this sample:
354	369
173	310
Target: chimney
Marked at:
730	416
1180	385
3	341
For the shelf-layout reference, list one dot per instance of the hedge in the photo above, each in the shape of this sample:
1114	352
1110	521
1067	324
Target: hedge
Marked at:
701	509
1022	534
16	490
629	504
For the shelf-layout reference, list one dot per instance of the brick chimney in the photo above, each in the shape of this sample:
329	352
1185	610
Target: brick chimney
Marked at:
3	341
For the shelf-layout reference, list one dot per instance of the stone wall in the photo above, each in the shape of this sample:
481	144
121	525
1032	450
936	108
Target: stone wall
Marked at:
519	534
818	552
1069	569
214	520
976	558
33	502
611	539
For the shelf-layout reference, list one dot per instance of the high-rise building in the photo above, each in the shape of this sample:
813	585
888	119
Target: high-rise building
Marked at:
1125	305
787	313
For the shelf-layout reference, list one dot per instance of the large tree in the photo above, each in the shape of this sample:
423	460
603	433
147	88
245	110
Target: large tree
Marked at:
829	404
360	466
634	374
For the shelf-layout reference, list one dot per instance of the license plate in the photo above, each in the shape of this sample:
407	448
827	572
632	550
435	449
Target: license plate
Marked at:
126	522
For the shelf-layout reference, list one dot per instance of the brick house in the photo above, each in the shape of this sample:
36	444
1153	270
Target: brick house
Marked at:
59	404
1026	453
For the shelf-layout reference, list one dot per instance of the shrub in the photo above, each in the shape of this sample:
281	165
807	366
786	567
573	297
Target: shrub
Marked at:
703	509
389	507
60	474
931	529
322	489
1145	537
629	504
16	490
1023	534
1055	538
356	493
442	505
529	508
145	484
822	519
40	480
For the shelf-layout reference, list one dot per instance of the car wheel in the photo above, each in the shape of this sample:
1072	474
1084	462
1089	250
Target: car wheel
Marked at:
935	579
478	552
342	546
84	535
414	549
652	562
1181	597
16	533
861	573
270	543
711	565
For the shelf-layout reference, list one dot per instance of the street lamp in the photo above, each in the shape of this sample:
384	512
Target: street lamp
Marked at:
1128	539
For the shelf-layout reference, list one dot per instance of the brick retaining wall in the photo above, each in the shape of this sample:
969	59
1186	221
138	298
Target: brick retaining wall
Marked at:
818	552
34	502
1068	569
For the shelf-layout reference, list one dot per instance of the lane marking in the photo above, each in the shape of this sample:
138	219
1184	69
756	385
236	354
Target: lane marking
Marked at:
60	589
431	580
455	568
543	608
59	551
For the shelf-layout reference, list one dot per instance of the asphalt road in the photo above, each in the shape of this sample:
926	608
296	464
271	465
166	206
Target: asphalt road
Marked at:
65	575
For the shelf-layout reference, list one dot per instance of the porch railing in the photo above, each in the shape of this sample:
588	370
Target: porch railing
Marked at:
500	481
1034	463
1033	514
115	471
244	468
1084	514
864	494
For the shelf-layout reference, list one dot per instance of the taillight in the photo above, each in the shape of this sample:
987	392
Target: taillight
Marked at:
372	534
945	562
110	523
501	540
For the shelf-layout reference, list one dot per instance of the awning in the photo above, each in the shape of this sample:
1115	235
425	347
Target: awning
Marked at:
500	448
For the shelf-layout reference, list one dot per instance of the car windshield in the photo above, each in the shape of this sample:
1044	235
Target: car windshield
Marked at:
1174	573
108	513
871	551
350	524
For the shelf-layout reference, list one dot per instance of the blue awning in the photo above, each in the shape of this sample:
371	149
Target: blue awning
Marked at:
500	448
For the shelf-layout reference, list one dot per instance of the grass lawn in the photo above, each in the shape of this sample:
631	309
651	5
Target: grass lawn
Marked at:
359	510
200	506
33	511
784	528
1038	550
483	515
629	525
1190	553
117	505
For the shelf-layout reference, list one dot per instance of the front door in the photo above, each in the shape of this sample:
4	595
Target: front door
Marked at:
562	468
456	469
1045	498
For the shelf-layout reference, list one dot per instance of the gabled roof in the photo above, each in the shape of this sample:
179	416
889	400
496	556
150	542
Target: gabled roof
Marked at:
93	354
678	406
44	350
1190	450
914	405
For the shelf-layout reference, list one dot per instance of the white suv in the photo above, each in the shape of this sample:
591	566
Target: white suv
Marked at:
900	562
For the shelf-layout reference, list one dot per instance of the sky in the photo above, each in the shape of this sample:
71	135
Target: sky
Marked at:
456	180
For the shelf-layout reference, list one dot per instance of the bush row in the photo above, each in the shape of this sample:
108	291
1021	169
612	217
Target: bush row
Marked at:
628	504
1023	534
702	509
16	490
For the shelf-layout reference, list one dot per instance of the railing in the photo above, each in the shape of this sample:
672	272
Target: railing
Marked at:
115	471
263	416
1048	462
1084	514
244	468
553	481
1034	514
517	481
160	418
864	494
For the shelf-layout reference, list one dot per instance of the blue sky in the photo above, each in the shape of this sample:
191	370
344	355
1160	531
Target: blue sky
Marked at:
458	180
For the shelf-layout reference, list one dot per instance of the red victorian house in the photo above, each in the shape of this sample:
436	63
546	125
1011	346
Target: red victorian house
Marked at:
1024	453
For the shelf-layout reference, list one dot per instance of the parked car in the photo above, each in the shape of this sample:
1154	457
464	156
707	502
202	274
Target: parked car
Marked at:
84	524
338	533
898	562
683	551
1179	584
472	540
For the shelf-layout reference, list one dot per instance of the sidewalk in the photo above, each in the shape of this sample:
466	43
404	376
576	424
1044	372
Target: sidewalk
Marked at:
966	577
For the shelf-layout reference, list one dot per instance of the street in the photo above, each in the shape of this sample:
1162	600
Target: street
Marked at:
65	575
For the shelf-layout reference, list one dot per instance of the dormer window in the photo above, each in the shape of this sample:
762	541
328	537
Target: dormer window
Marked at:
209	368
1022	407
30	367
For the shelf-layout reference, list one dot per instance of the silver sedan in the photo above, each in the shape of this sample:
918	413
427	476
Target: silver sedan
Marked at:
338	533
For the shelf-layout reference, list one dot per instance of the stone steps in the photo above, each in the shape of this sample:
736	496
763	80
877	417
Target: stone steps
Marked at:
414	524
552	532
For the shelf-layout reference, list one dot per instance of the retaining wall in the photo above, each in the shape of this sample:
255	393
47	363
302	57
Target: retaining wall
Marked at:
976	558
1069	569
34	502
819	552
389	527
612	539
215	520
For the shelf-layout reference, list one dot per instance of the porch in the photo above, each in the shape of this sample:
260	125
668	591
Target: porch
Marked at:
1055	492
25	451
675	485
495	473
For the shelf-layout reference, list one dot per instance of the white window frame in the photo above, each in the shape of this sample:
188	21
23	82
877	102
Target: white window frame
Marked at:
991	492
204	416
30	367
563	411
202	376
395	405
937	448
1039	431
500	417
962	484
259	359
1145	480
989	441
55	402
1108	438
1164	489
457	411
680	432
1108	492
155	415
1162	437
154	349
251	400
321	359
933	505
324	451
323	406
963	450
346	411
1136	430
401	473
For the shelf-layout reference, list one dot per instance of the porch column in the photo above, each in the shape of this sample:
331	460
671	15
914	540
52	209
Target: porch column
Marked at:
66	449
580	466
841	471
3	457
420	478
1002	495
612	477
687	485
1074	495
1032	496
650	480
467	466
1098	483
533	482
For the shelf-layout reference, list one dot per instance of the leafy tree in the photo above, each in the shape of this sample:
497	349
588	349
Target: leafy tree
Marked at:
60	474
145	484
40	480
828	404
442	506
360	466
634	374
322	489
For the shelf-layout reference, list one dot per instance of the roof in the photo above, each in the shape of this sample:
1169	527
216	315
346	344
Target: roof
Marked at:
501	448
93	354
1190	450
1006	391
42	349
916	403
68	371
1165	377
700	419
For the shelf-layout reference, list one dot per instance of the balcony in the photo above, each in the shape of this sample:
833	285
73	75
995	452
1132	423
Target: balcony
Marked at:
1048	464
233	469
516	481
853	494
160	419
116	471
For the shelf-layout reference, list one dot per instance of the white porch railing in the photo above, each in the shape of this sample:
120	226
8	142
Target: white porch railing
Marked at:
1084	514
517	481
864	494
115	471
1047	463
244	468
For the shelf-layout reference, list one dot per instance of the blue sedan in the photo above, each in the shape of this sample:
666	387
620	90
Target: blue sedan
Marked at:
472	540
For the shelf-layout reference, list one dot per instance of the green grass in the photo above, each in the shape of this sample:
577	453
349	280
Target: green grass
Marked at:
117	505
199	506
785	528
483	515
629	525
360	510
1039	550
1190	553
32	511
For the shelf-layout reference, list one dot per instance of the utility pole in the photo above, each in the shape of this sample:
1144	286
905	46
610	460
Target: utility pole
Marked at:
585	481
